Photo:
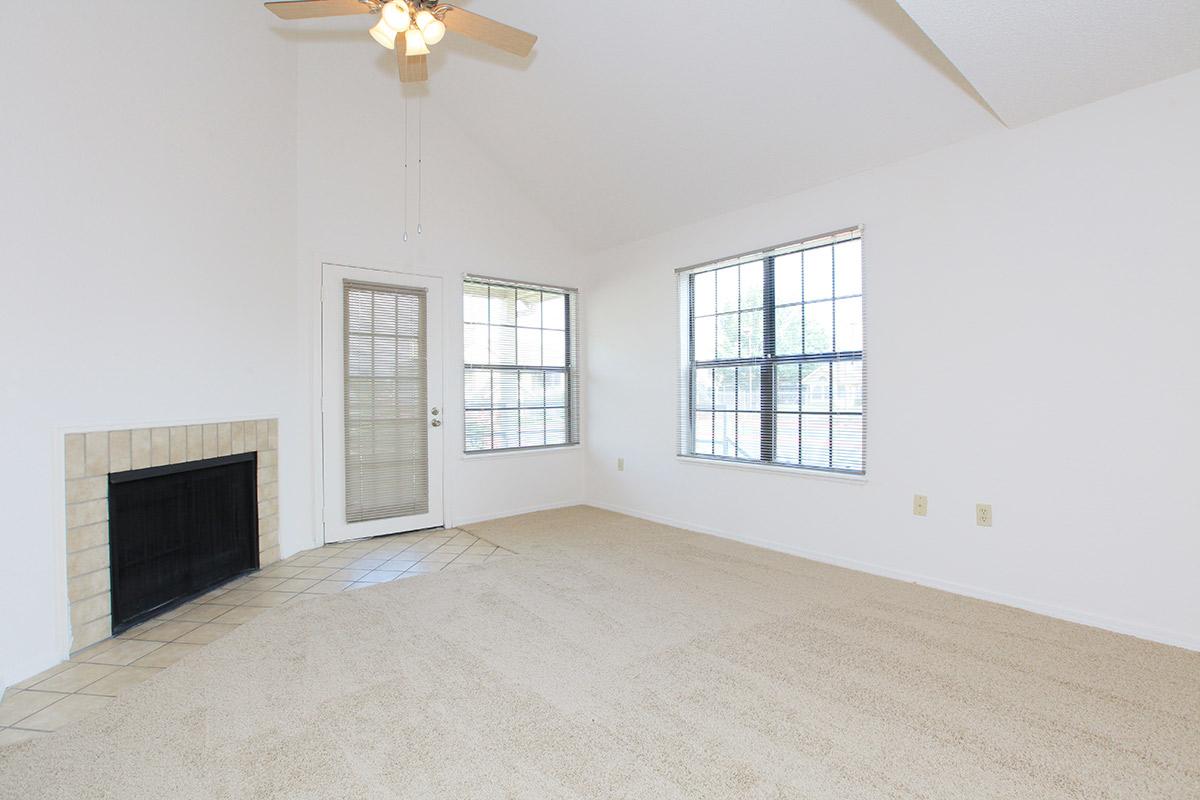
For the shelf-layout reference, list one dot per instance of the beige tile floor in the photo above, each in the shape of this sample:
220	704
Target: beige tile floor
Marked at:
92	677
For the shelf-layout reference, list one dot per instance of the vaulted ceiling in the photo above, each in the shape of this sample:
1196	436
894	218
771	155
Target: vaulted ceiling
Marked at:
633	119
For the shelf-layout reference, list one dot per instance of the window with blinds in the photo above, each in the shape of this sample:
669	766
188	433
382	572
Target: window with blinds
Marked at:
520	365
387	436
773	359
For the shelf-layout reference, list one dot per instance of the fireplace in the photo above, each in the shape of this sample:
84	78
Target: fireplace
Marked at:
176	531
99	462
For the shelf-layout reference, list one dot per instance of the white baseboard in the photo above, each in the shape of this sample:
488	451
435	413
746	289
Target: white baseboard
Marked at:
1114	625
471	520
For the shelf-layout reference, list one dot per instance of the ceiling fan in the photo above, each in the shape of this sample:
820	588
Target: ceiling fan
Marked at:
410	27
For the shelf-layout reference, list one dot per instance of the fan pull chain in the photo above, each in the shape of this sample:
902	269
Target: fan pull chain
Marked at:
420	159
405	167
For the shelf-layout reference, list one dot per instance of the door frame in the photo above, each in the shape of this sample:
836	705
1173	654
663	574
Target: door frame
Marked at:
435	323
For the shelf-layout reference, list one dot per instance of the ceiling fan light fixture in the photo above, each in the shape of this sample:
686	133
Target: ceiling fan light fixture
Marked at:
415	43
434	31
397	15
384	34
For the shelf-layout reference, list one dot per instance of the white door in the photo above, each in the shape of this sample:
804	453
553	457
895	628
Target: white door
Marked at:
381	402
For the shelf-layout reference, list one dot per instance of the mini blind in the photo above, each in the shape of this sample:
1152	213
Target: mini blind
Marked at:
773	358
520	365
387	438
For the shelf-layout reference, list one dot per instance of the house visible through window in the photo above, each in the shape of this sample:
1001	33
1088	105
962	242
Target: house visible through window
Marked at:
772	357
520	365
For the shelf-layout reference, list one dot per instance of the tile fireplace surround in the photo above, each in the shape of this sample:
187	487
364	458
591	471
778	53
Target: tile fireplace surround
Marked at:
91	457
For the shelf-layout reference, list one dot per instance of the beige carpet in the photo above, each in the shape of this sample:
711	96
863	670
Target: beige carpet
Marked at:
614	658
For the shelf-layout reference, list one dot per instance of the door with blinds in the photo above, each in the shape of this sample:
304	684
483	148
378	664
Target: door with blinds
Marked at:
381	403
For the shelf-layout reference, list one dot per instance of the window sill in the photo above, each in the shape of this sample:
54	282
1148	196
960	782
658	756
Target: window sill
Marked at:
792	471
530	451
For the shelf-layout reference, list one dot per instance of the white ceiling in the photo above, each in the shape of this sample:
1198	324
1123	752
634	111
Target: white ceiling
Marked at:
1034	58
632	119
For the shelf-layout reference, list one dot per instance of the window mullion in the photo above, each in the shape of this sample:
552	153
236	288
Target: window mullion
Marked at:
767	371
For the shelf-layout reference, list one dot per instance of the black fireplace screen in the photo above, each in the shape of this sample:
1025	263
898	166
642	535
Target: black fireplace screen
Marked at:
176	531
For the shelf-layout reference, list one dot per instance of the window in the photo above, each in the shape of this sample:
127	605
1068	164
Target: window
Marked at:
520	365
772	357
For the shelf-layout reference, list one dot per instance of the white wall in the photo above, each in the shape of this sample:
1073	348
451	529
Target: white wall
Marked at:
351	190
148	234
1031	333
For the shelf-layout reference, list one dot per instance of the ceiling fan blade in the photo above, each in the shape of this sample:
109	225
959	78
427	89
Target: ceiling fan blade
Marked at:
413	69
488	31
308	9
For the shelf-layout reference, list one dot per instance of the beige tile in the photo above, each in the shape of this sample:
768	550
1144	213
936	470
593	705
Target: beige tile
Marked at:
160	447
481	549
88	585
235	597
195	442
66	710
179	448
368	563
87	537
10	736
96	447
273	434
452	548
224	439
16	706
270	599
268	556
337	562
209	438
139	448
211	597
440	557
470	559
75	454
92	632
329	587
423	568
111	685
238	437
400	565
381	576
261	584
263	431
121	653
75	678
119	451
208	632
137	630
268	508
41	676
268	524
349	574
268	458
82	489
319	573
91	609
296	585
87	513
166	655
425	547
86	561
240	614
201	612
304	561
282	571
168	631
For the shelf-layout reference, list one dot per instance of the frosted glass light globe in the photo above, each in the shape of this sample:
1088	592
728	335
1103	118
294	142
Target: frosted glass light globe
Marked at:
396	15
434	31
384	34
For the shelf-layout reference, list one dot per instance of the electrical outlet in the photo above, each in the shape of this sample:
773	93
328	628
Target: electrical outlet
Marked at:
983	515
920	505
620	465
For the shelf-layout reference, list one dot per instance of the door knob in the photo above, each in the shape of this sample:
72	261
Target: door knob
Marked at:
437	423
